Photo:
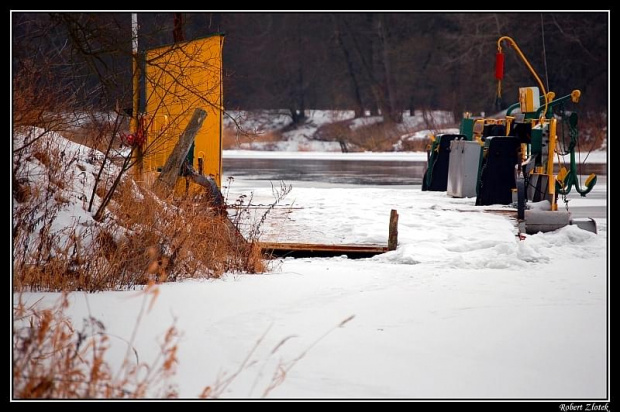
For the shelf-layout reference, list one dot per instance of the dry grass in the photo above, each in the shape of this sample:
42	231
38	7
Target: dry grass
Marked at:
95	130
187	236
140	241
51	359
593	131
141	237
232	139
33	98
377	137
416	145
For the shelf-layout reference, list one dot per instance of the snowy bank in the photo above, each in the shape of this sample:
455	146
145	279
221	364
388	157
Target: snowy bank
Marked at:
462	309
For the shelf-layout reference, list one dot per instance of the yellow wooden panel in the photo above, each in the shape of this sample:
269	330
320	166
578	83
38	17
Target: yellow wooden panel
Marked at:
178	79
529	99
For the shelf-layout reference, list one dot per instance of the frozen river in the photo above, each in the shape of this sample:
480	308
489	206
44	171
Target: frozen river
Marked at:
368	169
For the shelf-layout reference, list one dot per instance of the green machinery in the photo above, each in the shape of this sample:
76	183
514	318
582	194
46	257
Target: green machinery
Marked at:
519	153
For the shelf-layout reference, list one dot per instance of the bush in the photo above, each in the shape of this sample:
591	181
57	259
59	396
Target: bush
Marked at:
57	245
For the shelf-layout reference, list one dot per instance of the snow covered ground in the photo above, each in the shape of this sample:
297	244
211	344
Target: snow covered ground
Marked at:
596	156
298	139
462	309
303	138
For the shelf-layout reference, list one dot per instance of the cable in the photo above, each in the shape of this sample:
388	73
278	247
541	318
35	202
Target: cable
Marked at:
591	148
542	29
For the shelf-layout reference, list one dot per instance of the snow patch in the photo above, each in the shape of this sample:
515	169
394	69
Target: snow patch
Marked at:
61	175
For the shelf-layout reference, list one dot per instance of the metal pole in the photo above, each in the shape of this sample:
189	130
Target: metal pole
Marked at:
550	162
136	93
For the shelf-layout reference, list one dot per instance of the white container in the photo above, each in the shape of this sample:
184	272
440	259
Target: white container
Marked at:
463	169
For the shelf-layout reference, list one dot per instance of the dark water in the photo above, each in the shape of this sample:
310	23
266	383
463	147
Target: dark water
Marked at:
377	173
328	171
363	172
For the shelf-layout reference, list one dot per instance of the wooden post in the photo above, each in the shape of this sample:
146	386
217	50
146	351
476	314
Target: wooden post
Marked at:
170	171
393	233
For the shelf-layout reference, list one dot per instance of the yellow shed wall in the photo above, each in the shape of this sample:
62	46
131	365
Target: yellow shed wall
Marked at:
178	79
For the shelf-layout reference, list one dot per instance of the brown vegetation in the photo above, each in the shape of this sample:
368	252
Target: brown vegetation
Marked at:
141	238
79	221
54	360
51	359
232	139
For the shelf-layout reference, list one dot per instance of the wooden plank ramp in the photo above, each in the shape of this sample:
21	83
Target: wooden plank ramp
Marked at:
277	249
319	250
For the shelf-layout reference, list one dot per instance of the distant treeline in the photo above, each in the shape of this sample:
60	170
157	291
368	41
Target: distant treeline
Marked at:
368	62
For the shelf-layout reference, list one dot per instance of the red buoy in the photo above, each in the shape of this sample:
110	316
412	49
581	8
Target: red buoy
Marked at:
499	66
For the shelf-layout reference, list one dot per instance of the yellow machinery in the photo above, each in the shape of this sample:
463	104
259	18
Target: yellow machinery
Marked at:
522	149
180	78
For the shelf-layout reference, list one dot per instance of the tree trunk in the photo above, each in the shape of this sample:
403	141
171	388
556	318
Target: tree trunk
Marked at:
359	106
411	106
170	172
298	116
177	32
367	59
391	113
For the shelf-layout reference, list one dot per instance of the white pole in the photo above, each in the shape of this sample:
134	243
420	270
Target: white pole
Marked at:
136	93
134	33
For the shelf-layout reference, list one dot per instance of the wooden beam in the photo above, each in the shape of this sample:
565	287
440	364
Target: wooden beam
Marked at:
393	230
320	250
214	193
170	172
